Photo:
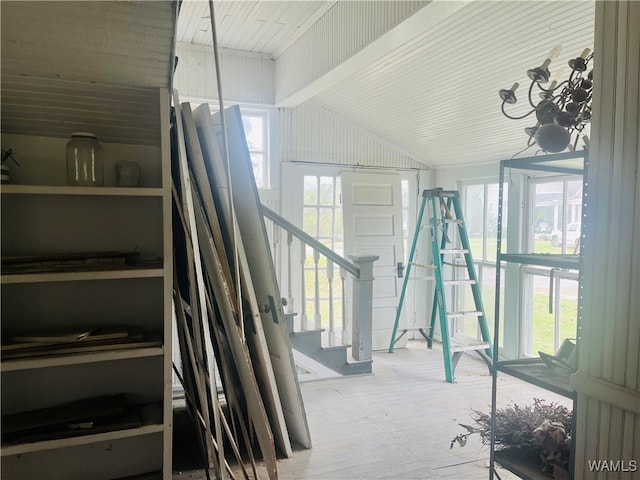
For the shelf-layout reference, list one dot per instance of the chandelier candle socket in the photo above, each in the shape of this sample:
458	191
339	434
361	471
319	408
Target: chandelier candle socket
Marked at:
564	108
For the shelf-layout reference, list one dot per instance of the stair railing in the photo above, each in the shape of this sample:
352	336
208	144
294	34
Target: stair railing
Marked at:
347	325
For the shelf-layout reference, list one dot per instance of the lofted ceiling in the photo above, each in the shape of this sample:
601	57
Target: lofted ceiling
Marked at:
432	94
425	81
265	26
117	43
85	66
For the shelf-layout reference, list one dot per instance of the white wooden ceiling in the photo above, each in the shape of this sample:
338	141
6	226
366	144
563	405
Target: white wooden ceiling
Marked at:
435	95
117	43
438	98
86	66
265	26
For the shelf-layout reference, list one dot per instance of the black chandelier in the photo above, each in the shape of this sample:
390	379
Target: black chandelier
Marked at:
564	109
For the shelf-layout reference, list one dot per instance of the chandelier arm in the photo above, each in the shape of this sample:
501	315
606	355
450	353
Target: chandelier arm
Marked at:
515	118
551	90
533	82
575	144
529	145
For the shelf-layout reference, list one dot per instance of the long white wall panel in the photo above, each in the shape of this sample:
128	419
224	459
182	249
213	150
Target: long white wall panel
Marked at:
312	134
608	380
246	77
342	31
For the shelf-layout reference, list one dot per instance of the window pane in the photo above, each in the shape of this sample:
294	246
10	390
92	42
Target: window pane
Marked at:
338	224
326	222
505	216
255	131
405	193
309	261
310	190
257	162
503	320
309	221
474	218
549	329
326	190
574	215
568	310
547	217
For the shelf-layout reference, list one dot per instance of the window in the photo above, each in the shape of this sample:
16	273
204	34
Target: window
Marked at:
550	296
556	209
550	309
480	210
256	128
322	219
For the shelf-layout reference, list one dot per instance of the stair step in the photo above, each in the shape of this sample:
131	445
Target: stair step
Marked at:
357	367
309	342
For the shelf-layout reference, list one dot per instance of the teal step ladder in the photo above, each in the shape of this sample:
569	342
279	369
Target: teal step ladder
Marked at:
445	210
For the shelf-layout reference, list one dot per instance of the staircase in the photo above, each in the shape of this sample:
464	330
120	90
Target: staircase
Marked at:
309	343
326	339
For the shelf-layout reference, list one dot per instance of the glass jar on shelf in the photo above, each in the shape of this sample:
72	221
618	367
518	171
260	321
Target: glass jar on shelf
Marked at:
85	163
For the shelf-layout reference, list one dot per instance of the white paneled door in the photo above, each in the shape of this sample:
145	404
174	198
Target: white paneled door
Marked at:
372	212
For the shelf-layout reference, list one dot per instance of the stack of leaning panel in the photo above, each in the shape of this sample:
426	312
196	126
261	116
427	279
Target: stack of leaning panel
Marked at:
227	301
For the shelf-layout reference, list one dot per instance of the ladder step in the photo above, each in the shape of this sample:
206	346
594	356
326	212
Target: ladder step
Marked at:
454	250
461	343
470	313
459	282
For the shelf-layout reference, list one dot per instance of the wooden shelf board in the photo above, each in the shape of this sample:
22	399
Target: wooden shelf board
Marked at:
534	371
78	358
81	276
80	440
88	191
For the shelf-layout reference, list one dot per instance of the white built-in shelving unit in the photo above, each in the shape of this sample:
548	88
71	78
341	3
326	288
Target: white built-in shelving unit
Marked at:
111	76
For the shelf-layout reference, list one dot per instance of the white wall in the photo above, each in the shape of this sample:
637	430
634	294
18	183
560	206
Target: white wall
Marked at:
608	379
450	178
309	133
246	78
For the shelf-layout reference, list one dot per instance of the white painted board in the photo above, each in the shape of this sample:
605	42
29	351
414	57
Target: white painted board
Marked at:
253	232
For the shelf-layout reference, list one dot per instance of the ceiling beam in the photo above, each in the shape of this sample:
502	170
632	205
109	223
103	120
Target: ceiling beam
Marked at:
287	66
